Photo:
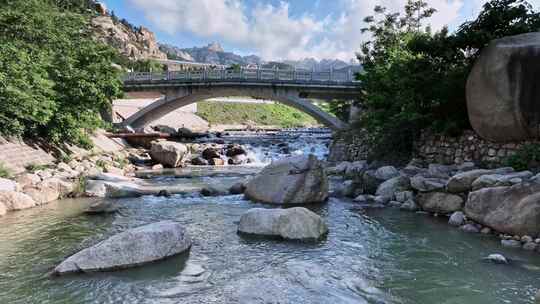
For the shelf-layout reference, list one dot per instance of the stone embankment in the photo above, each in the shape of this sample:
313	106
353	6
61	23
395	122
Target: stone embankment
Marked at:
497	201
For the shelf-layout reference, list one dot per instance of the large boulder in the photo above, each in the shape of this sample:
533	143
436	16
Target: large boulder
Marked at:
168	153
502	89
130	248
440	202
13	201
513	210
427	184
47	191
292	180
498	180
294	223
385	173
393	185
8	185
462	182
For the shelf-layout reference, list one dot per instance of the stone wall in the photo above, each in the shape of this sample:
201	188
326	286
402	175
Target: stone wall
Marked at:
348	147
468	147
16	154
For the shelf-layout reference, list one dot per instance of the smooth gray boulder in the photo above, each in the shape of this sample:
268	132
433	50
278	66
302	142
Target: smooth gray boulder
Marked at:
385	173
513	210
168	153
393	185
294	223
130	248
427	184
440	202
502	89
292	180
462	182
498	180
457	219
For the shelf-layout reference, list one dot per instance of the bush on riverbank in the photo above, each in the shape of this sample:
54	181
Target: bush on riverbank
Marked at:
415	78
55	80
274	114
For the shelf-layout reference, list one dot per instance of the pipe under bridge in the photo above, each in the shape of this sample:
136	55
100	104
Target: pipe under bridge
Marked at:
294	88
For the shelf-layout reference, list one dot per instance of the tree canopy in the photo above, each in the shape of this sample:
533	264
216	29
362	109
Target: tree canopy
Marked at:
55	79
415	78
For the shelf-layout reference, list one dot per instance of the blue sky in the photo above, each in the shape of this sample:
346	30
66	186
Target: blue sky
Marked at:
275	29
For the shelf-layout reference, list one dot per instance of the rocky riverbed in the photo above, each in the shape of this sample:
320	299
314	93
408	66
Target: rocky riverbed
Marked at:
358	232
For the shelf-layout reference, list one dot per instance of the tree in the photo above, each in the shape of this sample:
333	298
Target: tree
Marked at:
414	79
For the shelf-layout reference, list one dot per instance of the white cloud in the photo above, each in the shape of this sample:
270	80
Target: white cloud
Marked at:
275	34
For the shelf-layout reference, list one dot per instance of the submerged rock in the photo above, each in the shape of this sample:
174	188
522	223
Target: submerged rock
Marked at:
130	248
294	223
496	258
101	207
511	243
293	180
237	188
390	187
457	219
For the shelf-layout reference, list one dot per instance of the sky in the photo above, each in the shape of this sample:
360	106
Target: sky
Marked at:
276	29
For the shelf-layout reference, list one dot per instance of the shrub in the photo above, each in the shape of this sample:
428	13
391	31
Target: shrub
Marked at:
527	157
5	172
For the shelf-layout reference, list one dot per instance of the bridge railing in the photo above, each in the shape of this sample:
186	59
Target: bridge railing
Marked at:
244	75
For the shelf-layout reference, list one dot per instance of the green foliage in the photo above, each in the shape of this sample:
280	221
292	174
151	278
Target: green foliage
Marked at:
415	79
528	156
4	172
145	66
339	109
54	78
261	114
32	168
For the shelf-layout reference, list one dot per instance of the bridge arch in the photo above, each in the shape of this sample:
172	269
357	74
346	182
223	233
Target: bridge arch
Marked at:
179	97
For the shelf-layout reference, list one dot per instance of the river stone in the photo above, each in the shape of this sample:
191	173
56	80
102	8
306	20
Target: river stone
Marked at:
45	192
440	202
28	179
210	153
102	207
462	182
530	246
393	185
498	180
239	159
130	248
470	228
440	171
199	161
237	188
7	185
457	219
13	201
355	169
502	93
409	205
295	223
168	153
95	188
234	150
513	210
385	173
427	184
292	180
497	258
511	243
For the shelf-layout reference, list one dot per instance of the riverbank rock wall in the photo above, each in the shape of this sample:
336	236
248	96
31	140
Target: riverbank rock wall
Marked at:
16	154
469	147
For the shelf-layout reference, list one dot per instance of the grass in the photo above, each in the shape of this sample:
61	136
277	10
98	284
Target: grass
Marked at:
260	114
4	172
32	168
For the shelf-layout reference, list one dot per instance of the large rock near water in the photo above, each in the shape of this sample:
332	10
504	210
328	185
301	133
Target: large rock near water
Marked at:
502	89
514	210
130	248
293	180
13	201
294	223
168	153
440	202
462	182
389	188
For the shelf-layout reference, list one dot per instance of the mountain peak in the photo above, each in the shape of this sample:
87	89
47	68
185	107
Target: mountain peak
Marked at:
215	47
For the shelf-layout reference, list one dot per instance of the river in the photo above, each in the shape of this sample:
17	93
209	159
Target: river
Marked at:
369	256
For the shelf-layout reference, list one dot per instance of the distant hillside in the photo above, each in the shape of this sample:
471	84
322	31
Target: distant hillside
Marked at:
136	43
215	54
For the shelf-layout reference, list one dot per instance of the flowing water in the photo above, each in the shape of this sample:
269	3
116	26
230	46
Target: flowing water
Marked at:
369	256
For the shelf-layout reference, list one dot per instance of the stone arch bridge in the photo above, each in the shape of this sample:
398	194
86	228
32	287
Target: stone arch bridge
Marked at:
293	88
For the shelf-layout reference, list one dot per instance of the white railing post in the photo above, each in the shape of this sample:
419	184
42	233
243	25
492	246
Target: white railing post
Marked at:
331	74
